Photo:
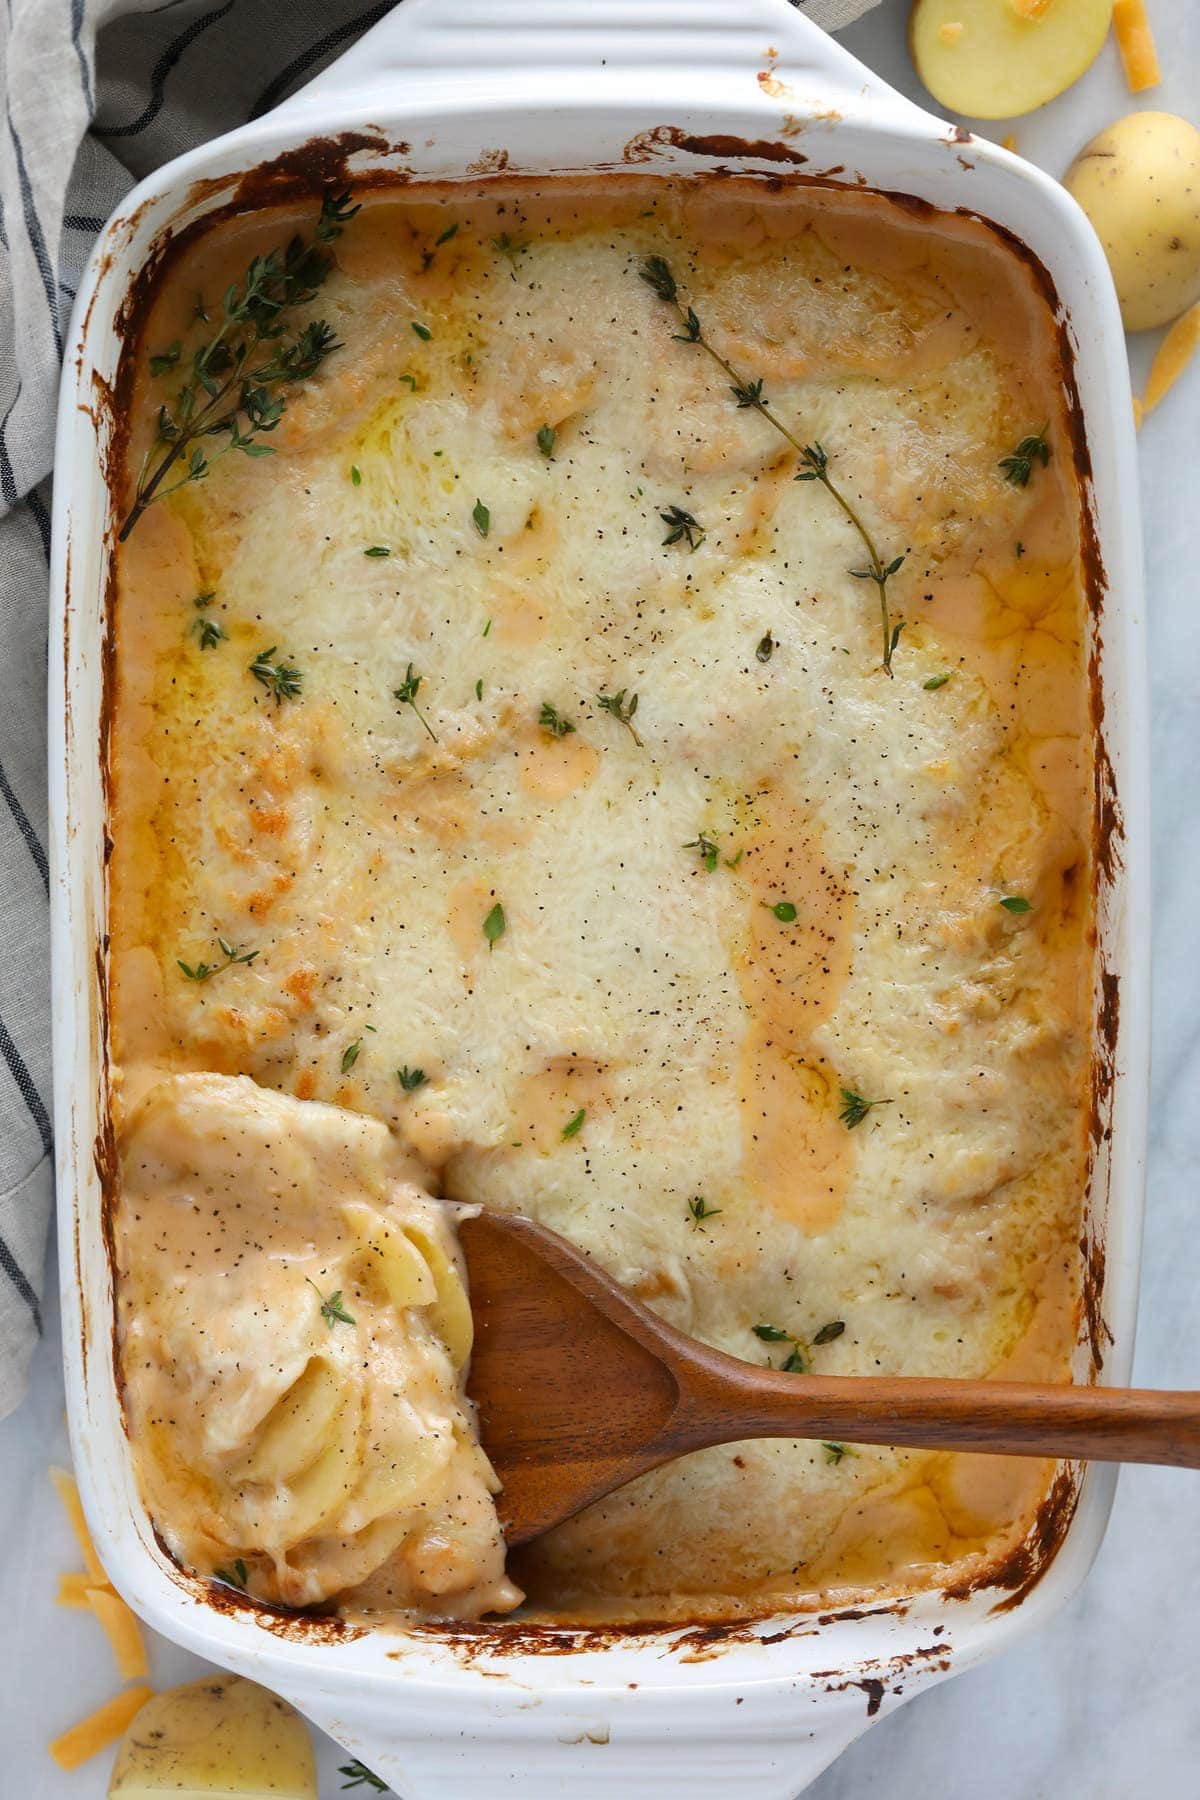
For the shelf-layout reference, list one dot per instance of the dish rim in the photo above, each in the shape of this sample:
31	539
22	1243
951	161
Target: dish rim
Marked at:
744	1656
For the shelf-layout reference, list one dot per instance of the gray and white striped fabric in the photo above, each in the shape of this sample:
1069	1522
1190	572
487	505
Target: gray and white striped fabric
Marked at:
96	94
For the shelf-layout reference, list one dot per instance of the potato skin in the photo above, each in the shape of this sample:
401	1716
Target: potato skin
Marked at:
1138	181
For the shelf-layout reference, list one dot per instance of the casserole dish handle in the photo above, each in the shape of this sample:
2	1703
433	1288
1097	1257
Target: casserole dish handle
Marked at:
784	57
461	1753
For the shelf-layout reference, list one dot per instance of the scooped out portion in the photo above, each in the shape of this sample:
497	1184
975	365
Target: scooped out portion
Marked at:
295	1334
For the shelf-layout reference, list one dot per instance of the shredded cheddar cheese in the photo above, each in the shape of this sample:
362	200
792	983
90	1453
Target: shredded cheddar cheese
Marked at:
74	1589
68	1493
1172	357
101	1728
1135	40
122	1630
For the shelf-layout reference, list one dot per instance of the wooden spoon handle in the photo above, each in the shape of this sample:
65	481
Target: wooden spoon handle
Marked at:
1006	1417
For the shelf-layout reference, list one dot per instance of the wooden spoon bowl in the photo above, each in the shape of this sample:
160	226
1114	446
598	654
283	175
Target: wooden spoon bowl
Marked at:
580	1390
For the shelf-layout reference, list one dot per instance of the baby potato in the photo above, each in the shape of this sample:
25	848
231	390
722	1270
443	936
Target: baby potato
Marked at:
1139	184
993	59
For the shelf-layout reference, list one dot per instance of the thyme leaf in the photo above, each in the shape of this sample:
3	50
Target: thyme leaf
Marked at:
411	1079
508	246
545	440
165	359
350	1055
209	631
706	849
360	1776
481	518
574	1124
700	1212
1016	903
855	1108
551	720
494	926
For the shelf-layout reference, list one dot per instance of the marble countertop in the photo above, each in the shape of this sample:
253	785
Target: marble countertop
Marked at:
1100	1704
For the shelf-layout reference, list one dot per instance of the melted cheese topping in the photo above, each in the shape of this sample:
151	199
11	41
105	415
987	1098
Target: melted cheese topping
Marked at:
708	1041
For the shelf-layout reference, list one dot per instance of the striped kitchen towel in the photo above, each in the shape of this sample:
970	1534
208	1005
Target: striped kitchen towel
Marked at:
96	94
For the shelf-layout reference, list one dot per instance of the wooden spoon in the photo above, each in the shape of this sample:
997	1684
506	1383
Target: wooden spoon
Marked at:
580	1390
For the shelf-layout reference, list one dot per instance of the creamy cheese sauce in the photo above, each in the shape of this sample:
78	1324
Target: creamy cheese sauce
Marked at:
709	1022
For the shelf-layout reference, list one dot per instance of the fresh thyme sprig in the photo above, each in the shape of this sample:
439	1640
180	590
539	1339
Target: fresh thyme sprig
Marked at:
360	1776
332	1310
279	678
209	631
814	462
411	1079
616	705
683	527
855	1108
700	1212
237	1577
1018	466
706	849
204	971
240	376
551	720
407	693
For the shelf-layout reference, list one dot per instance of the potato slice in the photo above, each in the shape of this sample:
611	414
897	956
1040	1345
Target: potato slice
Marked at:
994	59
217	1739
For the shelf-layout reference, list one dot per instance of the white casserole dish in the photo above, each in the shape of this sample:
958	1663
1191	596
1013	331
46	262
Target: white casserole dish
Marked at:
452	88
